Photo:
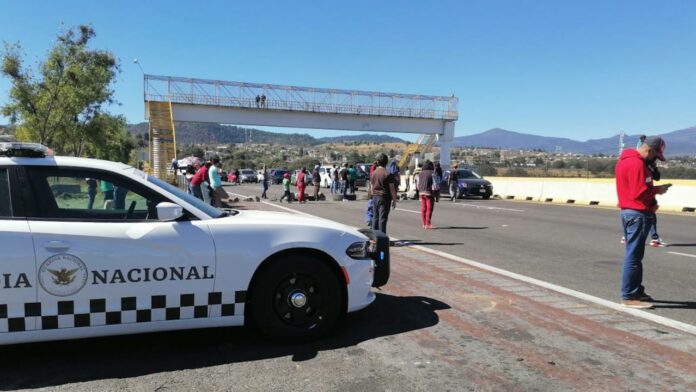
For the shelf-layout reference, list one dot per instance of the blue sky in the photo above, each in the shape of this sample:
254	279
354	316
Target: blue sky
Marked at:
576	69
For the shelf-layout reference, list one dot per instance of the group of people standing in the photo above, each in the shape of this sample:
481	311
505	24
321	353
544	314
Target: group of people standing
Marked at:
343	179
304	179
206	177
261	101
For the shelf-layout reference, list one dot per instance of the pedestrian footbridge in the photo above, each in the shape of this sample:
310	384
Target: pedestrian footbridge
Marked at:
169	99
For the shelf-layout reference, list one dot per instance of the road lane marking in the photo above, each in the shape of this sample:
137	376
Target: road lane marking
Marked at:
678	325
401	209
682	254
487	207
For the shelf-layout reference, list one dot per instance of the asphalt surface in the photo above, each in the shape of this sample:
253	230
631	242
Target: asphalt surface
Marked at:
577	247
438	325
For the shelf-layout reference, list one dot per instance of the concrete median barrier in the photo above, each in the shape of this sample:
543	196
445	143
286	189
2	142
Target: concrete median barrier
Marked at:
594	191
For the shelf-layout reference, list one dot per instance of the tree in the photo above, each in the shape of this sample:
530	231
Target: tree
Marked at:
62	106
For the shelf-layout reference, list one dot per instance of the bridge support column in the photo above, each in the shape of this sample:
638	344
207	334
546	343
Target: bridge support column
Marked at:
446	141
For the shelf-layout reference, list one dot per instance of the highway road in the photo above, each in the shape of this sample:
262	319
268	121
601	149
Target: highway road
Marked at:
577	247
440	324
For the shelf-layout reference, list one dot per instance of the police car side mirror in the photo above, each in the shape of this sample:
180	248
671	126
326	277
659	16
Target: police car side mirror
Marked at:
169	211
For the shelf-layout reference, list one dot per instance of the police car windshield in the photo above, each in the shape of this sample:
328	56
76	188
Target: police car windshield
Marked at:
198	203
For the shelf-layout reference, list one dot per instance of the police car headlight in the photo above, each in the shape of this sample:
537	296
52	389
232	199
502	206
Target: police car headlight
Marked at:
357	250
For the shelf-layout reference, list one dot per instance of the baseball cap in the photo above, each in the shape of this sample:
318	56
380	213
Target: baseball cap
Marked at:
656	144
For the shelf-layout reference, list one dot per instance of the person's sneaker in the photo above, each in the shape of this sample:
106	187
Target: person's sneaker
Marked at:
636	304
623	240
658	243
644	297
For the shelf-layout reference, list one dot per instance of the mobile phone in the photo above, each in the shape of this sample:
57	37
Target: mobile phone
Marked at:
666	185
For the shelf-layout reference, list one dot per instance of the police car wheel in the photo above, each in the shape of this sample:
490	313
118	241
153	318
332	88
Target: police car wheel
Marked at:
296	298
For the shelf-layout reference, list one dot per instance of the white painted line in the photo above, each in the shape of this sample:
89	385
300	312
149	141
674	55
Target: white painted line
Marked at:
681	326
276	206
576	294
682	254
401	209
487	207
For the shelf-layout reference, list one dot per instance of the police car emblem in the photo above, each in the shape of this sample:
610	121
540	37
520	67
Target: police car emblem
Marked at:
63	275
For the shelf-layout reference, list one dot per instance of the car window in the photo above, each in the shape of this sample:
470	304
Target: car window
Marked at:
89	195
5	206
464	174
196	202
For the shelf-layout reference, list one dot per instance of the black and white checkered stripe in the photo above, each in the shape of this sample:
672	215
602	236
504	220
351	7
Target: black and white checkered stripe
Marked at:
125	310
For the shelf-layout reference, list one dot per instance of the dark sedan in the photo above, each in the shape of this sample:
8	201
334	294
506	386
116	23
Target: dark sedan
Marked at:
468	184
277	175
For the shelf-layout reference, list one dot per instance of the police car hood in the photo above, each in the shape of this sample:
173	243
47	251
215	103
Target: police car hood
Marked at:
286	220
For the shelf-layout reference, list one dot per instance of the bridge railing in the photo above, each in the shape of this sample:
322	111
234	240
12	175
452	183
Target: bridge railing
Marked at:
288	98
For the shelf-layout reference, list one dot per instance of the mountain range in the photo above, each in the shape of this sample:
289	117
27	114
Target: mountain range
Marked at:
205	133
680	142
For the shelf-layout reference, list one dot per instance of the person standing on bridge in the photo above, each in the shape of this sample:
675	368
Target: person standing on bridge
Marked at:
263	101
383	193
636	194
258	100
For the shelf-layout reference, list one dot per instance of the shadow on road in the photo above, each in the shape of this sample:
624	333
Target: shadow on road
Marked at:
673	304
674	245
39	365
402	243
460	228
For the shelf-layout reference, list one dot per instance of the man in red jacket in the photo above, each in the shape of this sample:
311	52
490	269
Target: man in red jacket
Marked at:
636	193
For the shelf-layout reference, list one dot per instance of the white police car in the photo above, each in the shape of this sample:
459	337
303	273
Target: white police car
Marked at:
93	248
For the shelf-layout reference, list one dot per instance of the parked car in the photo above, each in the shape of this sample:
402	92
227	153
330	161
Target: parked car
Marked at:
364	167
293	178
277	175
325	173
160	259
362	177
247	175
469	183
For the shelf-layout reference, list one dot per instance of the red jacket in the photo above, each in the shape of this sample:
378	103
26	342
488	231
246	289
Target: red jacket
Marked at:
634	184
200	176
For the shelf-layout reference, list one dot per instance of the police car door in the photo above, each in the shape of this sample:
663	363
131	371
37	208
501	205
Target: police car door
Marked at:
103	258
17	264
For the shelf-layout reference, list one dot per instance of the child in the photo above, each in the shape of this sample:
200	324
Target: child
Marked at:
286	188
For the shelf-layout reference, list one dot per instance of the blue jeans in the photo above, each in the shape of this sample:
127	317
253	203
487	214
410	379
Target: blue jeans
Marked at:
334	186
196	191
91	194
380	212
653	228
636	225
265	189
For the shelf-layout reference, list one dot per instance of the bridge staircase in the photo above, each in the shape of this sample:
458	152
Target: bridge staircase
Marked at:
422	146
162	139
